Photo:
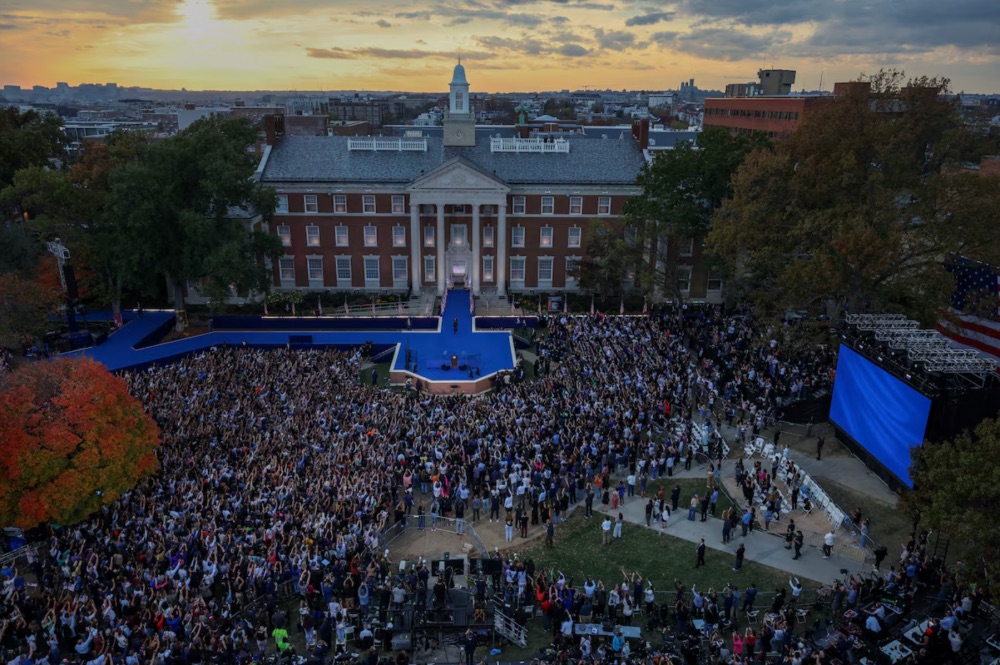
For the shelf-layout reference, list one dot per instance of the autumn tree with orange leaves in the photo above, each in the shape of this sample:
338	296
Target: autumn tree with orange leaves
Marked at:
71	440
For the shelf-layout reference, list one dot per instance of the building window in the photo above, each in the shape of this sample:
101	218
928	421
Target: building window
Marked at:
282	203
459	100
458	237
576	205
684	279
371	270
344	270
427	209
399	269
572	268
312	236
398	204
575	236
489	211
544	269
429	272
340	203
487	236
686	247
518	207
548	205
545	236
487	268
368	204
517	236
341	236
285	233
286	268
630	235
604	205
315	266
428	236
371	236
517	268
399	236
310	201
714	279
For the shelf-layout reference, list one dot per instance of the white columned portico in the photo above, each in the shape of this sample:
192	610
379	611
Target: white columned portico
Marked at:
415	242
475	240
442	280
501	244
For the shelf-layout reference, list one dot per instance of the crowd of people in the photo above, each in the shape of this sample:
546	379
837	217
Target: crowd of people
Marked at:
280	470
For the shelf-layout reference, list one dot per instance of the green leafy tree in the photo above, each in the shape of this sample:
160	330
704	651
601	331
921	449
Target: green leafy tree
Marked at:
956	489
27	139
73	206
610	252
681	190
19	251
860	204
25	308
179	197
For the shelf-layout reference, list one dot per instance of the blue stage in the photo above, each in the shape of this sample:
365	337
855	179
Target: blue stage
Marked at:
422	352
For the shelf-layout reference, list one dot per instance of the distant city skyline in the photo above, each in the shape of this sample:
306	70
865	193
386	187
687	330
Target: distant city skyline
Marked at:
507	45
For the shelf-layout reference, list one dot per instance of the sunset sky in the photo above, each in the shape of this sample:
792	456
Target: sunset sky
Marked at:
506	44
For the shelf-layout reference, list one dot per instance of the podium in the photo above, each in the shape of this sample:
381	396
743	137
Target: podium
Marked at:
454	360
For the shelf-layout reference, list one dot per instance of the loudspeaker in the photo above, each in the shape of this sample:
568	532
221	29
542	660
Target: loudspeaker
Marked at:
492	566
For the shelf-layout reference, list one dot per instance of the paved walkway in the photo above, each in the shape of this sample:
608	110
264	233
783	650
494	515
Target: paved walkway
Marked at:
766	548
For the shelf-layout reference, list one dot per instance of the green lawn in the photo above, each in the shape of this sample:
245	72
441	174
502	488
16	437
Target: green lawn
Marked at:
661	558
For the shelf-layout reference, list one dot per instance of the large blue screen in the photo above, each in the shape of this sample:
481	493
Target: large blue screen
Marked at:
883	414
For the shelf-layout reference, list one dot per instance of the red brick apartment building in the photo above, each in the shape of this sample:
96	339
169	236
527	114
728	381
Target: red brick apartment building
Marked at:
488	208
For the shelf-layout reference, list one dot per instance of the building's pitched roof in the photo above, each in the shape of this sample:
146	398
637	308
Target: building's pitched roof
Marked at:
327	159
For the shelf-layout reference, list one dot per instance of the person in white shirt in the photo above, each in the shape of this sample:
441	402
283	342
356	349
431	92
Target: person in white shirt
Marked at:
956	640
828	540
606	530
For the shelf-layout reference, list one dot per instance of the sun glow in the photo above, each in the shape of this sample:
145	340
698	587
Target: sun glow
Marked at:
199	19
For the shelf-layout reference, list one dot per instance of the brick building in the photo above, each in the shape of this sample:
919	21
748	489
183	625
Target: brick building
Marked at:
491	208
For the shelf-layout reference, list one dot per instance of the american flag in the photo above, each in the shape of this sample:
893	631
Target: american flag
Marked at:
975	306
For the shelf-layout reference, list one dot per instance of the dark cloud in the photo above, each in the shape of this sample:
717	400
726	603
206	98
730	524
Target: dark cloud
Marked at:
869	27
522	46
531	46
382	23
572	51
763	12
722	44
910	27
614	40
414	16
650	18
330	53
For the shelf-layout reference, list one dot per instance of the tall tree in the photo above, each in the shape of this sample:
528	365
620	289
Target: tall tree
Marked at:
72	205
681	189
860	204
27	139
178	197
71	440
25	308
611	252
956	489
